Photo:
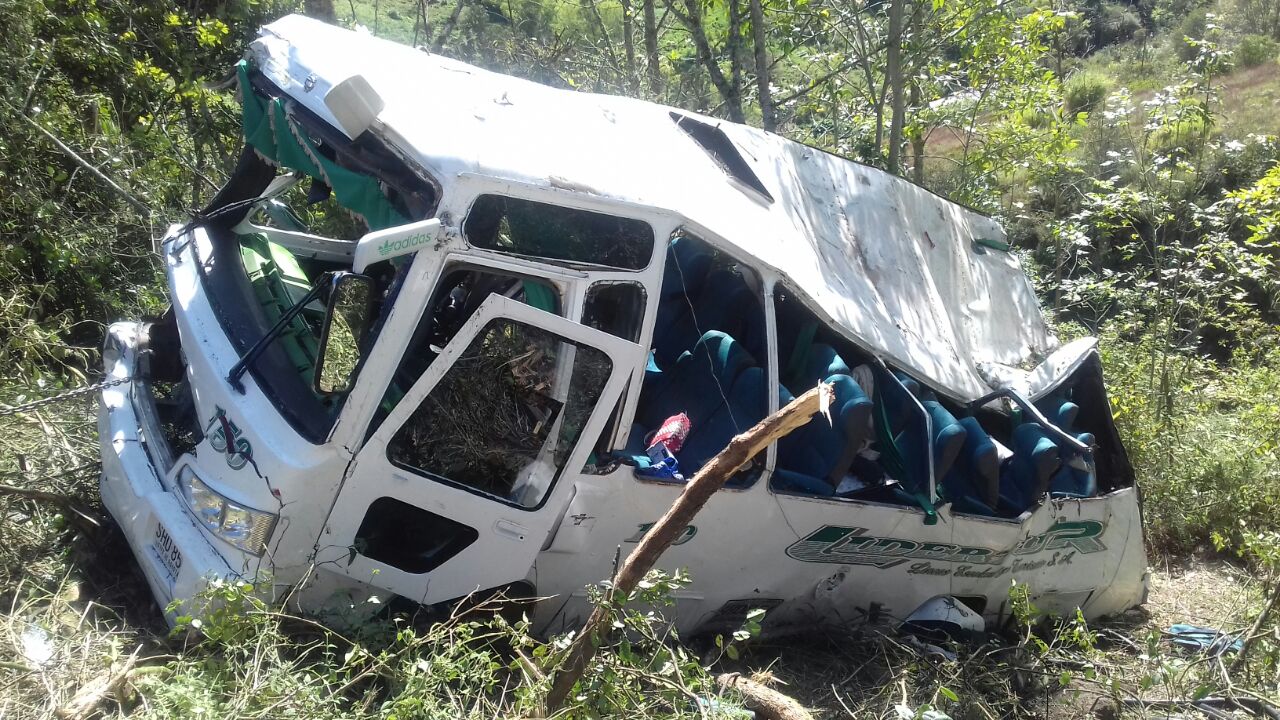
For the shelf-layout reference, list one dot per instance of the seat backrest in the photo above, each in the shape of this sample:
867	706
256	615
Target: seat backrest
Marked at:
1058	410
728	304
948	437
826	450
698	382
821	361
1077	477
973	484
748	404
683	278
688	262
1027	474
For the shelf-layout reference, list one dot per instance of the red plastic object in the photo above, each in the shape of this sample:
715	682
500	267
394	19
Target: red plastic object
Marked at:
672	432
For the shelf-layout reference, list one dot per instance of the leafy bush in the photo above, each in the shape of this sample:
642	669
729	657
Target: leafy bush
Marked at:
1254	50
1203	439
1085	91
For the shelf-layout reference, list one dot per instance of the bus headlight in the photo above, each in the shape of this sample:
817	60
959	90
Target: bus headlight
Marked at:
243	527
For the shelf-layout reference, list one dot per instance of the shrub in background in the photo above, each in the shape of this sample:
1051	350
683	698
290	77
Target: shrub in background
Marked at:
1085	91
1255	50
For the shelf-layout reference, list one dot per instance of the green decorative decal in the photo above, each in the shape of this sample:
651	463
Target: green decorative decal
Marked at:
853	546
404	243
685	536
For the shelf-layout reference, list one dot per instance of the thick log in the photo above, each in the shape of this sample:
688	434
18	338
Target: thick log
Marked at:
704	484
764	701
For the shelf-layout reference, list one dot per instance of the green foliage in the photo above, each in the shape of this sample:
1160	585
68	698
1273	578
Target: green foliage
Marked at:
121	84
1202	437
1085	92
481	666
1255	50
1260	204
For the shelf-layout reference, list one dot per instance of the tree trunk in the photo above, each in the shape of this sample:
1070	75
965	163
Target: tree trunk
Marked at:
420	22
735	49
765	702
893	73
651	48
447	29
629	47
691	18
917	138
768	119
704	484
604	34
321	10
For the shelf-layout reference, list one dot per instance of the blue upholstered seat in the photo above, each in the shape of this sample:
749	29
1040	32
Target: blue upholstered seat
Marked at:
973	483
948	436
695	383
1025	477
1076	477
819	361
813	458
688	262
748	404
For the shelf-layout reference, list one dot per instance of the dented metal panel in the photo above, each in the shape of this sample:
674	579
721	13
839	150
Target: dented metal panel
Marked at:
895	265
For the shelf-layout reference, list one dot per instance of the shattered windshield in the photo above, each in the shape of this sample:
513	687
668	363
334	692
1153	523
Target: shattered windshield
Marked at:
309	194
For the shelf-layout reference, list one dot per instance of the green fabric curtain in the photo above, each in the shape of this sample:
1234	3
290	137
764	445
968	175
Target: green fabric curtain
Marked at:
269	130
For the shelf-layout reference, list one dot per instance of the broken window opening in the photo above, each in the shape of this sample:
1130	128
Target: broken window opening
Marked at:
707	375
534	229
497	422
251	280
987	463
462	289
869	451
717	144
616	308
408	538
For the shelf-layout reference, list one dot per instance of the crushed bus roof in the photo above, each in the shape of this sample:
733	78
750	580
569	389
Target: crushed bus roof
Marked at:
916	279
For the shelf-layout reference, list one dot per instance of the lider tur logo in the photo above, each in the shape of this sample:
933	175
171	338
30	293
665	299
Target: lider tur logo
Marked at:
239	452
853	546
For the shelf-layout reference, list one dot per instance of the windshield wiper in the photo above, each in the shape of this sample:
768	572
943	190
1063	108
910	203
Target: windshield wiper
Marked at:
238	370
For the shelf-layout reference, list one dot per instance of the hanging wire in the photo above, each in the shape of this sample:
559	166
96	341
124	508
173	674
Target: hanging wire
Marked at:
684	290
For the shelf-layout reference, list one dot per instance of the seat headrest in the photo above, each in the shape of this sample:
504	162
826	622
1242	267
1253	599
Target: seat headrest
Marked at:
823	361
725	354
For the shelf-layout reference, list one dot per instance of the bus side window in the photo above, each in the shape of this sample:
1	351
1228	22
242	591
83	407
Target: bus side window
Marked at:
461	290
616	308
579	237
858	454
708	360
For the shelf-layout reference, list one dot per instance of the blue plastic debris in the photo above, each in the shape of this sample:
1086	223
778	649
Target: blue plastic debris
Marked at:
1204	639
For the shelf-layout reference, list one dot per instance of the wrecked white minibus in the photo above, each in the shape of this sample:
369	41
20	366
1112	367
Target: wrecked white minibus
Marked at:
447	331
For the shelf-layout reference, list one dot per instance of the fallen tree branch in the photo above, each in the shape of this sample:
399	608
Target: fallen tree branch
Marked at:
1261	620
63	501
713	475
66	150
84	703
764	701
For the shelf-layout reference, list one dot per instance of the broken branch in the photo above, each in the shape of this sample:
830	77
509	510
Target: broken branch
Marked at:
66	150
704	484
764	701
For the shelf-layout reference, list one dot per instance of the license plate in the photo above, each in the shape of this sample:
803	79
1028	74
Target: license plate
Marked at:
166	552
